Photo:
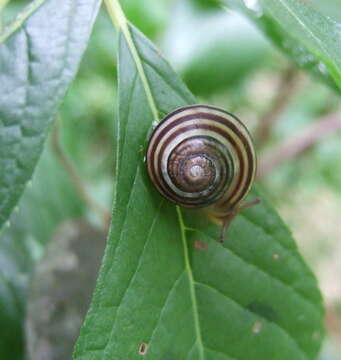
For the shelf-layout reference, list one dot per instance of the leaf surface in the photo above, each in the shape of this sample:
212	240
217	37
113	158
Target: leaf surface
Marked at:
253	298
39	56
307	36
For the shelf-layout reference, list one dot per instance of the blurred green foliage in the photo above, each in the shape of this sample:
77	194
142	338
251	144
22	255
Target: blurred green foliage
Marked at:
216	50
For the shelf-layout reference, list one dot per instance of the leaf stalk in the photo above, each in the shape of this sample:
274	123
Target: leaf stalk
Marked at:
121	23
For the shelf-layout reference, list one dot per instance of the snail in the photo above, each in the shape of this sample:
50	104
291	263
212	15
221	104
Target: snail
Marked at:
201	156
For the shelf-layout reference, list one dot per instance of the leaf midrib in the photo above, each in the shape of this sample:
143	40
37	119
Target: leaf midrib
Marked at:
201	283
191	282
120	20
247	262
305	27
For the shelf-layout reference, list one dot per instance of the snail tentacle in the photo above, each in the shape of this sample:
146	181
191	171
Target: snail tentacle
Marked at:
226	221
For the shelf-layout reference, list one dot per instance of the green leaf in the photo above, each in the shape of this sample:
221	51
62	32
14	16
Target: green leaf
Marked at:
252	298
39	56
308	37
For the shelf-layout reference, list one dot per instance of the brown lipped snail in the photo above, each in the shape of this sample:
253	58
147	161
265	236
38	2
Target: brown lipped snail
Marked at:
201	156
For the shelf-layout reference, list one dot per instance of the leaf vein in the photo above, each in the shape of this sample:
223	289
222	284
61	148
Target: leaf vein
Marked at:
191	348
270	233
138	266
166	80
300	294
316	38
227	356
191	281
287	285
165	305
119	18
199	283
122	227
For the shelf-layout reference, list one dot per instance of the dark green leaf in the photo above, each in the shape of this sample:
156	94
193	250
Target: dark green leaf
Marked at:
253	298
308	37
39	56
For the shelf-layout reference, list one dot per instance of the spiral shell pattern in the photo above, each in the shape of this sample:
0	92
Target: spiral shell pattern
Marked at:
201	156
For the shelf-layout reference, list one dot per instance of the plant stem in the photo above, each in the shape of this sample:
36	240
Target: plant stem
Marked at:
75	178
120	22
297	145
116	13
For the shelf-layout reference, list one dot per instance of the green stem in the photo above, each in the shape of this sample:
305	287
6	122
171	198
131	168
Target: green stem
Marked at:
120	22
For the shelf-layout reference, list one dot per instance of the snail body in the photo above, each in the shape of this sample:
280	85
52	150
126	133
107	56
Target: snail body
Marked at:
202	157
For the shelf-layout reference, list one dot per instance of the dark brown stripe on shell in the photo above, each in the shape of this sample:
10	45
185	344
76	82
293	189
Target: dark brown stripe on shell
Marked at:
221	120
164	186
247	144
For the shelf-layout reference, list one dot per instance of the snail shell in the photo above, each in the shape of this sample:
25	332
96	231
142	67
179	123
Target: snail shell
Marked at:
202	156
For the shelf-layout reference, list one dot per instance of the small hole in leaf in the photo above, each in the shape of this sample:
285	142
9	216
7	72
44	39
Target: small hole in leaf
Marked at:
143	349
275	256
